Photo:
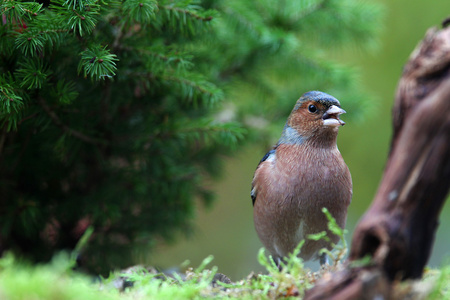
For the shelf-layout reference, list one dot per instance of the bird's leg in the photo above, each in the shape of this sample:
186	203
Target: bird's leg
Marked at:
280	267
278	261
323	259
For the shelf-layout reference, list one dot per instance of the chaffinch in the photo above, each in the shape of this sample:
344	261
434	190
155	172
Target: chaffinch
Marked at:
303	173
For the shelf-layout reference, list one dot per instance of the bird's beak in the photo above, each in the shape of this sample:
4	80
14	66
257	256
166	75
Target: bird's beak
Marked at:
331	116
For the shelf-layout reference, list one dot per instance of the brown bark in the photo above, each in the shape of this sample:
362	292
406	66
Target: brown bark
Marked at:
398	229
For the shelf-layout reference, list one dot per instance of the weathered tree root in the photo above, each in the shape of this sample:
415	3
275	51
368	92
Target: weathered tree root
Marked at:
398	230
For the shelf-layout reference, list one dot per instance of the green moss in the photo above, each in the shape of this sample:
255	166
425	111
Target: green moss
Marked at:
57	280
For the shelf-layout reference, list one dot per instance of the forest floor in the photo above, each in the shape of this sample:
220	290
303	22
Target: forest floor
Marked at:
57	281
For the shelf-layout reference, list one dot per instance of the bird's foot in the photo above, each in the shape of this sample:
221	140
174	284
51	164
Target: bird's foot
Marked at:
323	259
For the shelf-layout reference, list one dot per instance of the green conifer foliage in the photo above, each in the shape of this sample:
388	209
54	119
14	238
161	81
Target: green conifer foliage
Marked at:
112	112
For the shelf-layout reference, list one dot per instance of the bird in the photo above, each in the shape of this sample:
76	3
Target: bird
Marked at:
300	175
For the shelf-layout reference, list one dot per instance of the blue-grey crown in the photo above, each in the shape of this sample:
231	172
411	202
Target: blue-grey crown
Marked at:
319	97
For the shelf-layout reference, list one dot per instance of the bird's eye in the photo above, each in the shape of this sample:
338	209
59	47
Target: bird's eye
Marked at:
312	108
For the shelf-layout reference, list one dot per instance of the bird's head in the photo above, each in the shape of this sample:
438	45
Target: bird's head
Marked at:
316	114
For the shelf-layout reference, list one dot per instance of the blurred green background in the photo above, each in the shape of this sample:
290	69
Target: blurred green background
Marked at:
226	230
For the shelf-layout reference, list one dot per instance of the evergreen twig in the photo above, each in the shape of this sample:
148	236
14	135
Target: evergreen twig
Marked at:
187	12
66	128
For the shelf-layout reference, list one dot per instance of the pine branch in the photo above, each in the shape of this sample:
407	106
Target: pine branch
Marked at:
11	101
28	117
66	128
39	33
167	58
309	9
186	11
32	73
183	17
83	22
140	11
80	19
210	133
98	63
2	140
64	91
78	4
30	42
194	87
16	14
